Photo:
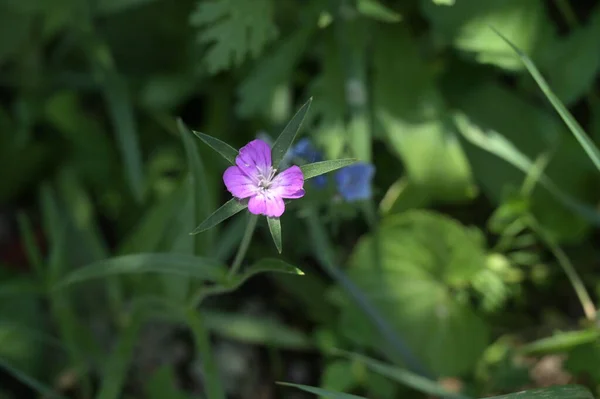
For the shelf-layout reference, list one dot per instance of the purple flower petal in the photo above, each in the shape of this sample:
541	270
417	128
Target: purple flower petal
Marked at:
238	183
268	205
289	183
254	158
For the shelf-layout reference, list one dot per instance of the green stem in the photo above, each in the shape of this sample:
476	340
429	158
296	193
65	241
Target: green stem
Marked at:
326	257
212	380
370	211
586	302
239	256
567	12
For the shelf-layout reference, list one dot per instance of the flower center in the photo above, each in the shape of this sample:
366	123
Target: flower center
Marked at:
265	180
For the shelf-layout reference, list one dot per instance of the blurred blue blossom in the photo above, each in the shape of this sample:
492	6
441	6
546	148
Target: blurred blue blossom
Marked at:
354	181
305	150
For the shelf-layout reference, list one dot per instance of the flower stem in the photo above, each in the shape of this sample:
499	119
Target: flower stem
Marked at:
563	260
326	256
239	256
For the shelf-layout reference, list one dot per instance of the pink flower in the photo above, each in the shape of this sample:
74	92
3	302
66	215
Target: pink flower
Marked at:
254	177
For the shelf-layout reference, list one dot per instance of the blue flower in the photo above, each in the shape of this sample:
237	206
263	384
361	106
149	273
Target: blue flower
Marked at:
305	151
354	181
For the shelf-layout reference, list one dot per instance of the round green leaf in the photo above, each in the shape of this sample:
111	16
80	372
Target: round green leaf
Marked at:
426	259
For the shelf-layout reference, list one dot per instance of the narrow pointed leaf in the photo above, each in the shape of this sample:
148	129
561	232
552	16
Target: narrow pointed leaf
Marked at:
560	342
267	265
378	11
166	263
320	168
226	151
403	376
200	189
287	136
321	392
226	211
574	126
556	392
121	112
31	382
275	228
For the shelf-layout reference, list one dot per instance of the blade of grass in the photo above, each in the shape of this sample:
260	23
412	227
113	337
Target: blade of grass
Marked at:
31	382
565	263
200	188
34	255
498	145
574	126
283	143
117	365
121	113
402	376
213	387
321	392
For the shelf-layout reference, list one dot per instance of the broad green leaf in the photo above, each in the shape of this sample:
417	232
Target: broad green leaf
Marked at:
234	30
226	151
275	229
560	342
376	10
557	392
226	211
320	168
283	143
575	128
117	364
213	387
164	263
29	381
411	111
399	350
256	330
403	376
321	392
417	289
584	361
466	24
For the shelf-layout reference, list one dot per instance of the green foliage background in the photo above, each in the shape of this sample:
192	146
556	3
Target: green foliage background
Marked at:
475	264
